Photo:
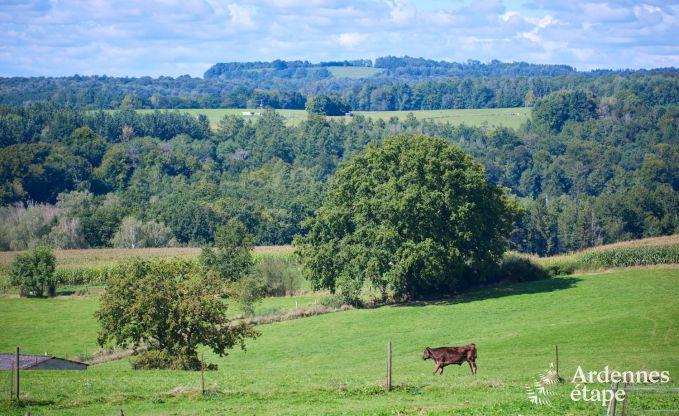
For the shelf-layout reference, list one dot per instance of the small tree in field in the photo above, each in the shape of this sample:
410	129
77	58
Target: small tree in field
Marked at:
33	273
169	307
232	259
414	216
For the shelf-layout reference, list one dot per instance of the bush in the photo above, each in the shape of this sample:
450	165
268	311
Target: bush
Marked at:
156	360
33	273
562	268
246	293
516	268
280	275
335	301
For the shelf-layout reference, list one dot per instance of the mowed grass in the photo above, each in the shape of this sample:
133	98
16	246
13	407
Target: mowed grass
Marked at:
507	117
335	363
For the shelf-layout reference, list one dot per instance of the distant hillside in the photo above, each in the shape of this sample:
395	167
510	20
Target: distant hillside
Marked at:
388	84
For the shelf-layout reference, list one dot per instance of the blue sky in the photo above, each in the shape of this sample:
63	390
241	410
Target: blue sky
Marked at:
176	37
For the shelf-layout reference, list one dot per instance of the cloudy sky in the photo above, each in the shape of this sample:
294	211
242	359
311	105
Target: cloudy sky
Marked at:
176	37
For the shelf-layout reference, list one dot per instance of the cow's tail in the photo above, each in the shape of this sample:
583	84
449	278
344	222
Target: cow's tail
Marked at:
473	348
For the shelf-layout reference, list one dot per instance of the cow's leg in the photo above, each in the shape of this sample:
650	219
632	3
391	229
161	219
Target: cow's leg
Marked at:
472	366
441	373
438	366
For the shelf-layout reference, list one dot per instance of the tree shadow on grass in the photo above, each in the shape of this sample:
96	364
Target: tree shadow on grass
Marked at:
499	291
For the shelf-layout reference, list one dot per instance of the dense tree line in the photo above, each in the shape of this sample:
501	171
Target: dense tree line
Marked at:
403	84
589	169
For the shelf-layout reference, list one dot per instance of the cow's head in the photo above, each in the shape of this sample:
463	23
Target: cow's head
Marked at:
427	354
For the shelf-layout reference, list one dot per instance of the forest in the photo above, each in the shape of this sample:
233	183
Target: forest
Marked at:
588	169
401	83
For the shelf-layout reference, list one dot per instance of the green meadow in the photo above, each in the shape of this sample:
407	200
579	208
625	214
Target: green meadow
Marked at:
353	71
508	117
335	363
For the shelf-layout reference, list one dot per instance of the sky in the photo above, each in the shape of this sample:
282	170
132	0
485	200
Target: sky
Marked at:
177	37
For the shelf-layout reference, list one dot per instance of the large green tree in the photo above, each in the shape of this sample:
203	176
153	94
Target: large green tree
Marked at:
169	307
413	216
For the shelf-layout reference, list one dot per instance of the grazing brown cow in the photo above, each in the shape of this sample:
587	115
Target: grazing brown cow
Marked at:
444	356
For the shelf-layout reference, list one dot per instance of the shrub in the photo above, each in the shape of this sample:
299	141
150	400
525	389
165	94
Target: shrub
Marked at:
154	359
562	268
280	275
33	273
246	293
335	301
517	268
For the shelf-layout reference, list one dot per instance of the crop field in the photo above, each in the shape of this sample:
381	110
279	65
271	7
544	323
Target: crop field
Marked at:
353	71
104	257
508	117
335	363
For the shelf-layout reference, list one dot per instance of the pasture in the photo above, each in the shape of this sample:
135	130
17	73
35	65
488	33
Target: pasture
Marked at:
507	117
353	71
335	363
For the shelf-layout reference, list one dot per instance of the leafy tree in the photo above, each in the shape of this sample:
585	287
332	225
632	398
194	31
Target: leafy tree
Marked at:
326	105
232	259
85	143
169	307
130	234
555	110
33	273
414	216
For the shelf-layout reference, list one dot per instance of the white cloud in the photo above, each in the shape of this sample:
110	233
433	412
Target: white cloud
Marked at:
241	16
350	40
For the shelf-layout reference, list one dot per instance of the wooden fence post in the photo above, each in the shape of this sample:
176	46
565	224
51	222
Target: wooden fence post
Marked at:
11	383
202	372
17	376
624	401
389	366
613	403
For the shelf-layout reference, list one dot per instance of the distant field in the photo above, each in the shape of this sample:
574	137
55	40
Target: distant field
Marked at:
334	364
508	117
293	117
654	250
352	71
102	257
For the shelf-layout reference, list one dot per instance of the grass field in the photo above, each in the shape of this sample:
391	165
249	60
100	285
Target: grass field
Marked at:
508	117
353	71
334	364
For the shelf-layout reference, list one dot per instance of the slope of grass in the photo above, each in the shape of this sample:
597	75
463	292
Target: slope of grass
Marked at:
508	117
353	71
334	364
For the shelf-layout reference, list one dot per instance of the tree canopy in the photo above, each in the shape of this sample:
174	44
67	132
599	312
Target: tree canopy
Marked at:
412	216
169	307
